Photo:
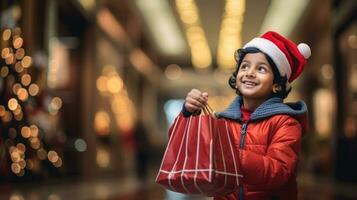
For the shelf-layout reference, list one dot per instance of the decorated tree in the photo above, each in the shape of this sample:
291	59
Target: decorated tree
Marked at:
22	129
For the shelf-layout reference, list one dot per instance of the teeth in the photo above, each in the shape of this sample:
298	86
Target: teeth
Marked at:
249	83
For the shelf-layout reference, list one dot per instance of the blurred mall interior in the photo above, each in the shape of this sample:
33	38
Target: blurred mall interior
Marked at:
89	88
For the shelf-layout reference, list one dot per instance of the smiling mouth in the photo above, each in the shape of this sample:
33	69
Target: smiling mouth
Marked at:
249	83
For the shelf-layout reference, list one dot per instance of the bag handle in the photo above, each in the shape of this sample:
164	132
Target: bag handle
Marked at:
207	109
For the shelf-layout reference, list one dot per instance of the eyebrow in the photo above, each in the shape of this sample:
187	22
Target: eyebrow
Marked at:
265	63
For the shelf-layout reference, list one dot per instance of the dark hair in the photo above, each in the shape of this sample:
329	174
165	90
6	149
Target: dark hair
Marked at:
278	79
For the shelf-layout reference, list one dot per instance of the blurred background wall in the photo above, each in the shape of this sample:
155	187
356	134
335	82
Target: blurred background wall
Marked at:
89	87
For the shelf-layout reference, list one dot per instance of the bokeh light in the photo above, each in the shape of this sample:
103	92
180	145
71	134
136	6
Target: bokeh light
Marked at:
10	59
18	67
103	158
33	89
80	145
102	83
5	52
52	156
56	103
7	117
21	147
12	104
34	130
101	123
2	110
20	53
173	72
16	168
115	84
26	79
4	71
18	42
6	34
22	94
26	132
26	61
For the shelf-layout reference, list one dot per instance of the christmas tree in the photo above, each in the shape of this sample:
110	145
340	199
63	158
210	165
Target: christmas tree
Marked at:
22	145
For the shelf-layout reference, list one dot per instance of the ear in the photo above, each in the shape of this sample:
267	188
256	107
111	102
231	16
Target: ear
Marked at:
276	88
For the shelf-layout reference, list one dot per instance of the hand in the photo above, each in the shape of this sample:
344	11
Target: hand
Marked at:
195	100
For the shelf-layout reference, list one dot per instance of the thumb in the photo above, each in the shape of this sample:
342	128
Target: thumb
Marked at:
205	94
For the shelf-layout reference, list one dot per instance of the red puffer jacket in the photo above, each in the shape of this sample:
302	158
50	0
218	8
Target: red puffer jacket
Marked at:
268	145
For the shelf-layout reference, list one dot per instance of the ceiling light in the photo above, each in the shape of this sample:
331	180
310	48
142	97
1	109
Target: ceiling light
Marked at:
162	25
110	25
283	15
200	51
230	37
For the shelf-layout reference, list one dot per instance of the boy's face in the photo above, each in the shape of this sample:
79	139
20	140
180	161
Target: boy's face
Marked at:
255	77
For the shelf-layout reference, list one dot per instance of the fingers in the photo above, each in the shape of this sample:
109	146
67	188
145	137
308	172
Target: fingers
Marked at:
195	100
195	95
193	104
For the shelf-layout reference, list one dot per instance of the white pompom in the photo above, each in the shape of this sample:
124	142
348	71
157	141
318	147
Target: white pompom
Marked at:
304	50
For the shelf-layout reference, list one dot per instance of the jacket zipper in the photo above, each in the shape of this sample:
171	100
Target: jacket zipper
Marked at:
244	131
241	146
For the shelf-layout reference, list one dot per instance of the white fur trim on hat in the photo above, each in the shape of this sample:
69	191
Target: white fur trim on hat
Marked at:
274	53
304	50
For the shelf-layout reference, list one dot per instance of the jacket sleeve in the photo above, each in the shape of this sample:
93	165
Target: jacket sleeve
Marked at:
278	165
187	113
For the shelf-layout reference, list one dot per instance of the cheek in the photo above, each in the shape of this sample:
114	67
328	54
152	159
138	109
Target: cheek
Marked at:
238	79
268	83
239	76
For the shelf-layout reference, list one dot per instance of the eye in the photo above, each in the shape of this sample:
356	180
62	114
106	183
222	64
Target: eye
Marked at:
262	69
244	66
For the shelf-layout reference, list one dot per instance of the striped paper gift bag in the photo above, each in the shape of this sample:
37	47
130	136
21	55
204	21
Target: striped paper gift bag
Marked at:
200	157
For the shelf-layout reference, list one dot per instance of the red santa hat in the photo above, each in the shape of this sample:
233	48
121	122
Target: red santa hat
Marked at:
288	57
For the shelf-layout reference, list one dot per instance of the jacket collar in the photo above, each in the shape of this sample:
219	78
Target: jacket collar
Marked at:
270	107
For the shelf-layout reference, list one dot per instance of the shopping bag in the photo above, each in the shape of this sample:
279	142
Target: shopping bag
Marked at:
200	157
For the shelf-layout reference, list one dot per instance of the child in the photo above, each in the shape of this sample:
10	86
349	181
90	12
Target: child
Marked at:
267	132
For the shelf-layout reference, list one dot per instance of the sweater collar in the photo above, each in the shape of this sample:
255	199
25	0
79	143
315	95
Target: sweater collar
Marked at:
270	107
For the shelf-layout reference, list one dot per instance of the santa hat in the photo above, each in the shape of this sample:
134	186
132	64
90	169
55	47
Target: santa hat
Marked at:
288	57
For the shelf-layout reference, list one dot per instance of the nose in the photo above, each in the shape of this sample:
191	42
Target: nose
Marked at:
250	72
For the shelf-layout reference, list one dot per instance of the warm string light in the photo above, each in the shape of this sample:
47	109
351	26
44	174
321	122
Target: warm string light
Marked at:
55	105
230	34
197	40
17	64
111	85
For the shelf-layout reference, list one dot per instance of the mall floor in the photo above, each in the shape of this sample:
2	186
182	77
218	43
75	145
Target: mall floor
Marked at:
131	189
